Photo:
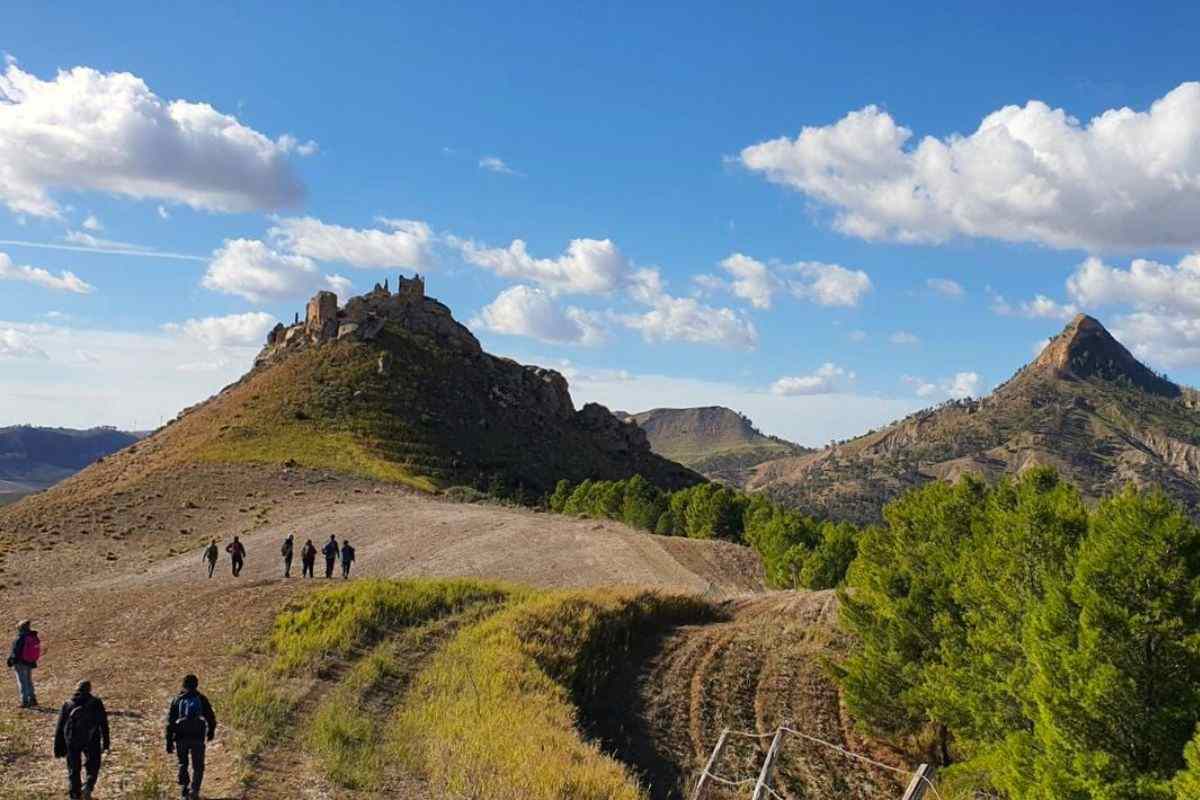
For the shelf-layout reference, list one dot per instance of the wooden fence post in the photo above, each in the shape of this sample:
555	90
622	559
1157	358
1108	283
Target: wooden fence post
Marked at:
918	784
711	765
760	788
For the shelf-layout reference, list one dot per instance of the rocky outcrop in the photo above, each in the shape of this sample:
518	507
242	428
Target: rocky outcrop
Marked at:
1085	349
363	318
612	434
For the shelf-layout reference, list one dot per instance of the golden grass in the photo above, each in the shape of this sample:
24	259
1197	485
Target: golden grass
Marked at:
493	716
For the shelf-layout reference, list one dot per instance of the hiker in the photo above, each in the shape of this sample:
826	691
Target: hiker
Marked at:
308	558
347	558
23	660
80	738
211	554
237	552
330	551
190	724
286	552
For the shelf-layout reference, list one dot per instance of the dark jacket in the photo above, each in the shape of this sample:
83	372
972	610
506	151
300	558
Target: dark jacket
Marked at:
236	549
206	711
14	655
100	737
347	554
286	549
330	550
308	553
210	553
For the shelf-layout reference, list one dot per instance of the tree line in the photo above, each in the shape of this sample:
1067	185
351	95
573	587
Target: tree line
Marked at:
797	551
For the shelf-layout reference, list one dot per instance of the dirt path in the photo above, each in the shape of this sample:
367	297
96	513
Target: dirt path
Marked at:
134	625
762	668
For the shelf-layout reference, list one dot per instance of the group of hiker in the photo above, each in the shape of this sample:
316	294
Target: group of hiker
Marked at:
82	735
332	551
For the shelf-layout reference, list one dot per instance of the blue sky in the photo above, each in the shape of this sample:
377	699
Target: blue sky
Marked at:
790	210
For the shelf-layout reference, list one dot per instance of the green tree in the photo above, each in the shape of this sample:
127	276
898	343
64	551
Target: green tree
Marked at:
1115	653
562	493
578	502
666	524
1187	780
643	504
825	567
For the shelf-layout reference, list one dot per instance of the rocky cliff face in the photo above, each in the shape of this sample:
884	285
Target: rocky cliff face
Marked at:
1085	406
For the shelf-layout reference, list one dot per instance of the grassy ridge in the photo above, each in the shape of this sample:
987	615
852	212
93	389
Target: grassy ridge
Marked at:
473	687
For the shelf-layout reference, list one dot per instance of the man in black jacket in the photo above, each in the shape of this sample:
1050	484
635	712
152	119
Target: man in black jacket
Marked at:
331	552
190	723
81	735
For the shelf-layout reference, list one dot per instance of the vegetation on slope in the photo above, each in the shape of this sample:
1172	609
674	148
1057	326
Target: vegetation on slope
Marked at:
473	687
796	550
1042	650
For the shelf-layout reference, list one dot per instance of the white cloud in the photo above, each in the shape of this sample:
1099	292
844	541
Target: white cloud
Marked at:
1028	173
18	344
822	381
250	269
857	336
163	213
86	130
92	224
90	242
958	386
1040	307
945	287
1145	285
405	246
230	331
86	243
684	319
495	164
756	282
533	312
589	266
903	337
64	282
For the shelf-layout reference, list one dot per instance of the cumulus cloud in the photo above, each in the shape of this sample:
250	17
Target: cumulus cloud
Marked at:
405	245
93	224
684	319
904	337
16	344
589	266
496	164
824	380
234	330
86	130
958	386
1028	173
529	311
756	282
945	287
1040	307
249	268
63	282
1145	284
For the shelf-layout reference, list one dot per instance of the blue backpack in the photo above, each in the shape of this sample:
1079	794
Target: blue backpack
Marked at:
189	717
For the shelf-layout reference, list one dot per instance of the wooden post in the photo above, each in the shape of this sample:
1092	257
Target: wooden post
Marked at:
711	765
919	783
760	788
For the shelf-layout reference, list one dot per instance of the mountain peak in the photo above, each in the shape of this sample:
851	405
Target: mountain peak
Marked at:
1085	349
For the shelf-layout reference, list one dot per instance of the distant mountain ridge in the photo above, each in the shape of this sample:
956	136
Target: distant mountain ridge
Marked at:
718	442
33	458
1085	405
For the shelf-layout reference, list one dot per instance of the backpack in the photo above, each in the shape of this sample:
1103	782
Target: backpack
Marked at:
31	648
82	725
189	717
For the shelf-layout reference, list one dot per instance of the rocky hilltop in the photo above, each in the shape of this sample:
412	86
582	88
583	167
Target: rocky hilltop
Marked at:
716	441
1085	405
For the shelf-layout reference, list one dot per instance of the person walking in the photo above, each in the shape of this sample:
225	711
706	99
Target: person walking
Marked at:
211	554
80	738
286	552
330	551
308	558
237	553
191	723
347	558
23	660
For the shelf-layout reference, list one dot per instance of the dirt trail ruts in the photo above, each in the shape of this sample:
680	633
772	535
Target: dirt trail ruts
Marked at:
134	626
763	667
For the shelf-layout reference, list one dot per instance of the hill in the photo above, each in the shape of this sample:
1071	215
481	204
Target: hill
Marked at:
718	442
33	458
1085	406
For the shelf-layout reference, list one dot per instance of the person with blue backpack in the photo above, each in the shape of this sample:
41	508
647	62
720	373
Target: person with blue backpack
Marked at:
23	660
191	723
80	738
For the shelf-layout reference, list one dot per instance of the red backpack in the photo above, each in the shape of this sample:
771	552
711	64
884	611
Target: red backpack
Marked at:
31	648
